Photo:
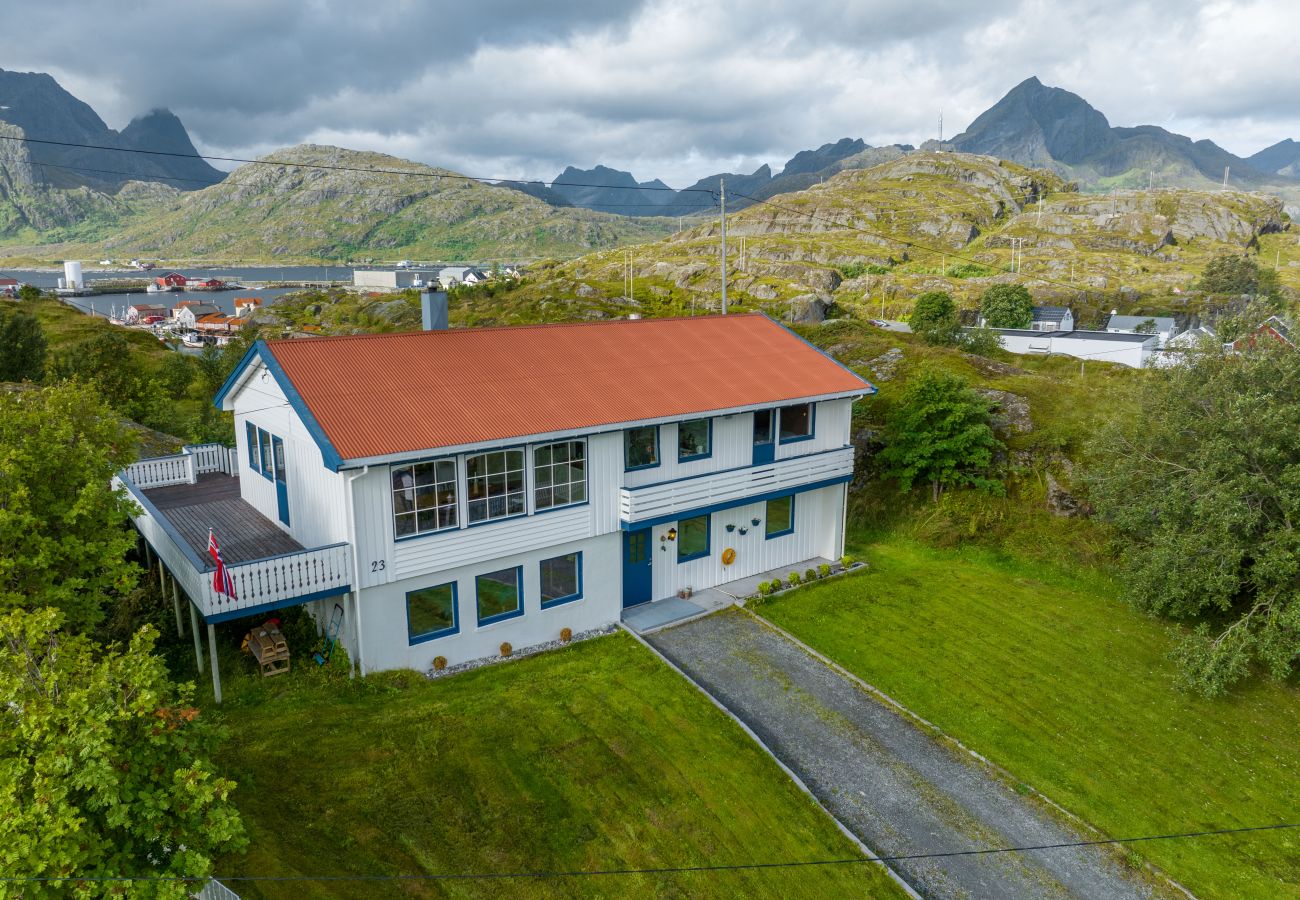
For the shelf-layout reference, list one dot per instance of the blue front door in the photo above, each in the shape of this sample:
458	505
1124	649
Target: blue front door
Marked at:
636	567
281	479
764	436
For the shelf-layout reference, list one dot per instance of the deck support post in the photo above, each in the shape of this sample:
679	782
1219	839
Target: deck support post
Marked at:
162	578
176	608
198	641
216	672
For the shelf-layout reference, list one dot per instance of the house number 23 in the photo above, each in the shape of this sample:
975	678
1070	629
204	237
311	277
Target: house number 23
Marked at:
377	565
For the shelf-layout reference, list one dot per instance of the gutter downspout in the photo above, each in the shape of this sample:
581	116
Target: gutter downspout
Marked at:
356	569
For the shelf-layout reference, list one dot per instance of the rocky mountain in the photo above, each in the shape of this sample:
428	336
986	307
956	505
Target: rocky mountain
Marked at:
613	190
872	239
1037	125
1283	158
36	103
391	208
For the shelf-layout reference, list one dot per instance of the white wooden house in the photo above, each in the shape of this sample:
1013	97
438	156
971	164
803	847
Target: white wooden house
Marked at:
453	490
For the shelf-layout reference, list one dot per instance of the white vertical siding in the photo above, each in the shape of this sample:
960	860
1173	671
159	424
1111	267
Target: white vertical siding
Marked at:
816	529
733	445
384	607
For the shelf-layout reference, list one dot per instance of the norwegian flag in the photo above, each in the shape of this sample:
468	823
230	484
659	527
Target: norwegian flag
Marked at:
222	583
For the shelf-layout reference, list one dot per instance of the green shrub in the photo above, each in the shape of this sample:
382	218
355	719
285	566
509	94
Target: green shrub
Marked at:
810	575
765	588
823	570
793	579
847	561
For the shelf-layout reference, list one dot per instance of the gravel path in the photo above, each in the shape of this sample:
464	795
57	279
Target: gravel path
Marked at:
893	785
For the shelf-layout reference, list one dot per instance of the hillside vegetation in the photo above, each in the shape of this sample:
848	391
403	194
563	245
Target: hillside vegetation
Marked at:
872	239
294	212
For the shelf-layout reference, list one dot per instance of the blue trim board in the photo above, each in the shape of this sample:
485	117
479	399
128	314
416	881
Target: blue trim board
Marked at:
767	517
413	639
870	388
333	461
732	504
279	604
560	601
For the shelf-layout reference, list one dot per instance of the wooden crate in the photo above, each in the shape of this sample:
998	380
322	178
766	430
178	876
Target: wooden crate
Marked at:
270	649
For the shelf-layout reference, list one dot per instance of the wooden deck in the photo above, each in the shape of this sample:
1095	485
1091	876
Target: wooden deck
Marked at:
214	503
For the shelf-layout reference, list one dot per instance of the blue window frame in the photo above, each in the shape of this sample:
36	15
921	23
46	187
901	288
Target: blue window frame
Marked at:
254	457
692	538
561	579
641	447
694	440
797	422
264	453
779	517
499	595
431	613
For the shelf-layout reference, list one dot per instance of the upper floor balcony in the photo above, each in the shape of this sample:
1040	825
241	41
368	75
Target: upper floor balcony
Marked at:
655	503
181	498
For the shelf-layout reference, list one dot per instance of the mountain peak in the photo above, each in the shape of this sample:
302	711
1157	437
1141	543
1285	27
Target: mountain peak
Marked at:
1038	125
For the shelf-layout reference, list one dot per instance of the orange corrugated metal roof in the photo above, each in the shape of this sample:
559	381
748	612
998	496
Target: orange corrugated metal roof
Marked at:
376	395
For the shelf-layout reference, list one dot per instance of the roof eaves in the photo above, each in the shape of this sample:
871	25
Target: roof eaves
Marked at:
870	388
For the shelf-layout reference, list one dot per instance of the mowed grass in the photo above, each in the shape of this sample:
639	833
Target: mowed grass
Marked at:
596	756
1072	691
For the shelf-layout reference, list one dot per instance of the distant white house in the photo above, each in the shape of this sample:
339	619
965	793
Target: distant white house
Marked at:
1132	350
1047	318
1180	347
187	316
393	280
9	287
1164	327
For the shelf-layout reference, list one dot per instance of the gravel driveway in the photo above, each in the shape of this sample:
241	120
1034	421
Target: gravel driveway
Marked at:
896	787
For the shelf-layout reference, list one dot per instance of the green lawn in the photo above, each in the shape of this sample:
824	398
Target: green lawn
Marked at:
593	757
1072	692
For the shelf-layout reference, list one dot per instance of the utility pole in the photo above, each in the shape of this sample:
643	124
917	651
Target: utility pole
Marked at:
1151	181
941	129
722	185
1225	177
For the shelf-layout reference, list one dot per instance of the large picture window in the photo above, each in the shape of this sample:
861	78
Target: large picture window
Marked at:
559	474
254	458
692	538
499	595
780	517
561	579
431	613
796	422
494	485
641	447
694	440
424	497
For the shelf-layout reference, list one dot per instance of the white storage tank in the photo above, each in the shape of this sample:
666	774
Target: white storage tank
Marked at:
72	274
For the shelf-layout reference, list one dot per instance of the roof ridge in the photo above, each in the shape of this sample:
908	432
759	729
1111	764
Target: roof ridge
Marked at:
526	327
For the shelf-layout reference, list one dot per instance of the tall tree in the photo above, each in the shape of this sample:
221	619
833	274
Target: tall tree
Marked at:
934	318
1007	306
1231	274
22	346
104	767
940	432
63	531
1203	484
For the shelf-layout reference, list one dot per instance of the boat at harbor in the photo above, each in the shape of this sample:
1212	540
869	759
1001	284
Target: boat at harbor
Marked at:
193	340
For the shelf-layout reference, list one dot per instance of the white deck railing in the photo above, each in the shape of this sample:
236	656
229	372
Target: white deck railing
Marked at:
184	467
313	572
654	501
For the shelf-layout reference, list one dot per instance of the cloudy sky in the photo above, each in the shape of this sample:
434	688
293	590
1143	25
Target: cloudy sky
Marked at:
675	89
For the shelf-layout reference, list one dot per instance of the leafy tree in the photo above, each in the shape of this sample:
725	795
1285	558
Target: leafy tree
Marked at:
1236	275
29	292
176	374
1007	306
106	360
1146	326
1203	484
934	318
982	341
103	767
22	346
940	432
63	535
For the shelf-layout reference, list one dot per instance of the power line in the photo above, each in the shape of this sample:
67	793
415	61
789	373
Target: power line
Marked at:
664	870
